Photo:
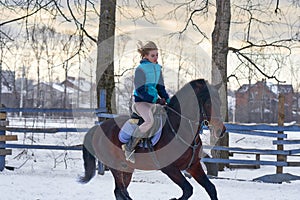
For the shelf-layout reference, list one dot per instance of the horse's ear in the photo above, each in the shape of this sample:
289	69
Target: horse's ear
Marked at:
218	86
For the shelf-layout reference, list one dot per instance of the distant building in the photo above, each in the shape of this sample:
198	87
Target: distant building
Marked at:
71	93
83	92
48	95
258	103
25	93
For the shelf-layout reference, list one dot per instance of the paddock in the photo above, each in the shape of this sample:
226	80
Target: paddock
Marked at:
241	155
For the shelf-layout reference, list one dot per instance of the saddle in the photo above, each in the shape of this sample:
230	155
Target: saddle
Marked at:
153	135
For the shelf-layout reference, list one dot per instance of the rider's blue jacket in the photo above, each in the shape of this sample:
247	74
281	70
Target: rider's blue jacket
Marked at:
149	83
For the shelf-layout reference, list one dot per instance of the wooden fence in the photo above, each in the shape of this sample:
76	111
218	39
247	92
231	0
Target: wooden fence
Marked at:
261	130
6	148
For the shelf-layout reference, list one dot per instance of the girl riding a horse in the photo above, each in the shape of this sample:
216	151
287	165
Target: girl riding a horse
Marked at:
149	90
178	148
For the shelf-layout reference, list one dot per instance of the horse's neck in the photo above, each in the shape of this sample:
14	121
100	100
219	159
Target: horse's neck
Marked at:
181	127
188	109
177	116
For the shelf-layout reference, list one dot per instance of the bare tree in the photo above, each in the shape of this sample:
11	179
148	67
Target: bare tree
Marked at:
68	52
28	14
36	43
270	35
105	54
253	25
49	43
220	37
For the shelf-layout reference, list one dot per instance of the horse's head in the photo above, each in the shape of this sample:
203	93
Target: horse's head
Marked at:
210	104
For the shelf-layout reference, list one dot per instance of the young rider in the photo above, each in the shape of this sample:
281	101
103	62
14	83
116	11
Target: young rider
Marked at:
149	90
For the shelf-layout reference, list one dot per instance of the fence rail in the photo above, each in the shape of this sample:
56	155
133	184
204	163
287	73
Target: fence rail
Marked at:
251	162
282	142
264	127
42	130
48	147
260	130
249	150
54	110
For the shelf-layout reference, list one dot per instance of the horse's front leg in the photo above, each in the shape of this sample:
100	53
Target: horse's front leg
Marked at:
197	172
176	176
122	180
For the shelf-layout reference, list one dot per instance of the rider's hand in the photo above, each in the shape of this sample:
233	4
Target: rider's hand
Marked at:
161	101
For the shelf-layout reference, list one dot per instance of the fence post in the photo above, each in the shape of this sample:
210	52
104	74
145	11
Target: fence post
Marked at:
102	100
279	169
102	104
2	133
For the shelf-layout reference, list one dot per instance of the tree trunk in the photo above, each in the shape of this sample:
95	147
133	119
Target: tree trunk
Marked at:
105	55
220	37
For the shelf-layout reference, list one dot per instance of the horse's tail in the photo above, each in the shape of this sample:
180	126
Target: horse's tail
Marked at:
89	166
88	157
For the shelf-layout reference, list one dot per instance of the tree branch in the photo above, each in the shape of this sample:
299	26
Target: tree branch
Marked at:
276	44
26	16
7	36
190	20
238	53
80	25
62	14
277	9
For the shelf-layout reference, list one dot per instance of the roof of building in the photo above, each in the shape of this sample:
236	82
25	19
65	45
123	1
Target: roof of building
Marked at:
283	89
80	84
275	88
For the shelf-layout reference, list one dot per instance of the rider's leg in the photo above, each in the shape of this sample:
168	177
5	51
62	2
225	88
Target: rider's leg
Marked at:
145	110
129	147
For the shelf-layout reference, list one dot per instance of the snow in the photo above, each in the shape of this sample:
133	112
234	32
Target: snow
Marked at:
82	84
6	89
50	175
49	184
61	88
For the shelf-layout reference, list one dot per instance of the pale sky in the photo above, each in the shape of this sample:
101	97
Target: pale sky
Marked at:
195	56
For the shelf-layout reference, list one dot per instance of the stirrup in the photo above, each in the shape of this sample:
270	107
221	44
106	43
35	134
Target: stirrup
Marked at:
129	155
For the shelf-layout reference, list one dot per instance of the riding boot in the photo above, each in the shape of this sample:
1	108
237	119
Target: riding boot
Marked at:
129	147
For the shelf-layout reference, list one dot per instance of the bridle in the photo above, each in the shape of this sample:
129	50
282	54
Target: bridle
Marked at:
203	120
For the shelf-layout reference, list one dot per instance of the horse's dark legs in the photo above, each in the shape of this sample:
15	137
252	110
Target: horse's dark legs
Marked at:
122	180
176	176
199	175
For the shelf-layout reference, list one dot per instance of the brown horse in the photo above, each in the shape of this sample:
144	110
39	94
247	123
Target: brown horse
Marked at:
178	148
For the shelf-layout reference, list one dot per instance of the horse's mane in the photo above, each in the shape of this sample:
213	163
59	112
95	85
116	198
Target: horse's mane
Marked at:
200	87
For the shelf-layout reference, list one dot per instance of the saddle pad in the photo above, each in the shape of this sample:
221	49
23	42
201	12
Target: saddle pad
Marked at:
128	129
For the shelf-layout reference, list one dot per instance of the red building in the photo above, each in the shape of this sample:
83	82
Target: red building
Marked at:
258	103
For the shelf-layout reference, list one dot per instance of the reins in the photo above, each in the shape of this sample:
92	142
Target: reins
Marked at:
196	135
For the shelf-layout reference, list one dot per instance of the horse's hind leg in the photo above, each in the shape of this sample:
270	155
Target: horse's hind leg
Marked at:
176	176
199	175
122	180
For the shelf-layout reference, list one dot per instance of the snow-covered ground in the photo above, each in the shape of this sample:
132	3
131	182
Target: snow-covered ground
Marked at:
51	184
50	175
